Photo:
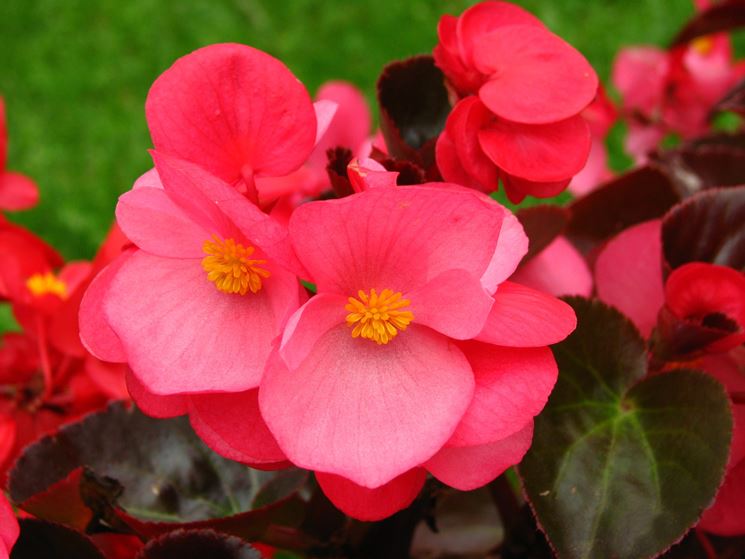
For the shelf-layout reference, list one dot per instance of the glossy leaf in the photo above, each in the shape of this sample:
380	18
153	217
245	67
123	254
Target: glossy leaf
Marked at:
198	544
622	465
638	196
708	227
147	476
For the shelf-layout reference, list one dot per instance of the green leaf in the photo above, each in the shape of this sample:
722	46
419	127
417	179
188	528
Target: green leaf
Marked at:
622	464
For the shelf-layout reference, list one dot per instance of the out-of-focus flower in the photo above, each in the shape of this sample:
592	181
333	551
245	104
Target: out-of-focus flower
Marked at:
559	269
672	91
521	90
17	192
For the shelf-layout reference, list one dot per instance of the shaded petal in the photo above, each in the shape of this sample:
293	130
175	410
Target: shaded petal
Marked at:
511	247
95	332
364	411
726	517
535	76
524	317
512	387
9	529
559	269
155	405
628	274
182	335
152	221
463	124
232	426
109	378
372	504
470	467
538	152
454	303
394	238
17	191
449	165
233	110
325	111
517	189
311	321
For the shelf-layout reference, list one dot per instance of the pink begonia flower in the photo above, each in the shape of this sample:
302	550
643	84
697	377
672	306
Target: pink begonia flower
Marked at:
521	91
348	128
628	275
195	308
600	116
235	111
672	91
559	269
415	354
17	192
9	529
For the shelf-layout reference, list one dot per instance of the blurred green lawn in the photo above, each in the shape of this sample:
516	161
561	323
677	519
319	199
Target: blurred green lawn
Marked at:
75	73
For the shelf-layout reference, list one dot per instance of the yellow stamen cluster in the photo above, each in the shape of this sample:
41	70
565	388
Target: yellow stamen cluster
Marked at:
229	266
46	284
703	45
378	317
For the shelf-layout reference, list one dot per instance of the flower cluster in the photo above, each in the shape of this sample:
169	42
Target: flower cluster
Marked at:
413	353
521	91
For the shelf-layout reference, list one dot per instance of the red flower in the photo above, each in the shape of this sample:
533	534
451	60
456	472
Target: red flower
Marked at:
522	89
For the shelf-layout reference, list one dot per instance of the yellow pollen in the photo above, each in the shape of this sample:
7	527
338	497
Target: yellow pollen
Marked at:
703	45
46	284
229	266
378	317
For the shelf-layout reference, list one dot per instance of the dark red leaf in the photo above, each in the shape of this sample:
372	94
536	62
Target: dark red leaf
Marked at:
40	539
198	544
721	16
542	225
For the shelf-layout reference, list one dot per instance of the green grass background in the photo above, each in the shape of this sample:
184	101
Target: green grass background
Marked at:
75	73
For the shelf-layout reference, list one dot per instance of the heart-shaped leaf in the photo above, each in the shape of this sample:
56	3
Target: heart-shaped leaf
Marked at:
640	195
708	227
198	544
148	476
622	464
39	539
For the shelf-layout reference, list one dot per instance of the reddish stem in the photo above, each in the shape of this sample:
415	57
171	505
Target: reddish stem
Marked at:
703	540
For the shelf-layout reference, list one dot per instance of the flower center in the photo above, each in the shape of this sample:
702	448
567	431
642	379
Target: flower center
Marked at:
229	266
46	284
378	317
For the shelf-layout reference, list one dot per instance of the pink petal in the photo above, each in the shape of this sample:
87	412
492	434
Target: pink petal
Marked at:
17	192
394	238
9	530
535	76
454	303
232	426
182	335
351	124
311	321
149	179
511	247
463	124
450	166
628	274
470	467
155	405
726	517
595	171
486	17
559	269
512	387
325	111
234	110
95	332
364	411
367	173
372	504
639	74
152	221
538	152
524	317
